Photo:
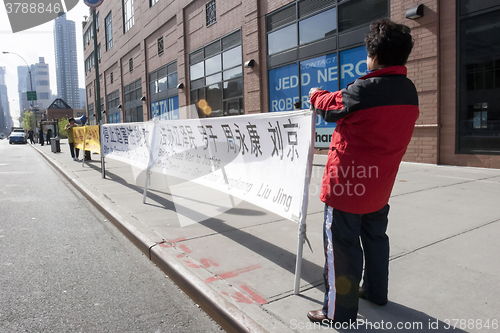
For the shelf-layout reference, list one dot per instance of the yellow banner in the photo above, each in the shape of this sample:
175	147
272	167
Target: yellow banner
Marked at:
92	139
79	137
87	138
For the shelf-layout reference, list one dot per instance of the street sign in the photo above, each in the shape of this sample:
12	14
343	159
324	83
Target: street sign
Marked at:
31	95
93	3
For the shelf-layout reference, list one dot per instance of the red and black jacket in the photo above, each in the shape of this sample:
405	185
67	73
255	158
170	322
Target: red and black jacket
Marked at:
375	117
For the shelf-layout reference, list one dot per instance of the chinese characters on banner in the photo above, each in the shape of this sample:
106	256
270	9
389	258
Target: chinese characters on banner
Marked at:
92	139
259	158
79	137
87	138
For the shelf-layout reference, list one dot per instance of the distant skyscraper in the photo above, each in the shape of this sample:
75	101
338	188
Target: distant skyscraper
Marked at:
41	83
5	118
23	85
66	61
83	98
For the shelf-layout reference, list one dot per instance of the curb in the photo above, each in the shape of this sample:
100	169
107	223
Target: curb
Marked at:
227	315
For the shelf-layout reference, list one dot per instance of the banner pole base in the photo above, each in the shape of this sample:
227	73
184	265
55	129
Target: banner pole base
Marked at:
298	264
146	184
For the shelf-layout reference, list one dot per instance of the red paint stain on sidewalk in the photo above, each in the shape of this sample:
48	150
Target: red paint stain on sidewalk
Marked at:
185	248
171	243
239	297
232	274
191	264
208	262
256	297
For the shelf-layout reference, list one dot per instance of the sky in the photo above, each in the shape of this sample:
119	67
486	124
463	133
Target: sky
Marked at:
32	44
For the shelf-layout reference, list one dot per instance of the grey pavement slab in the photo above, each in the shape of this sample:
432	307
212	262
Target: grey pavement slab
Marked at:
444	224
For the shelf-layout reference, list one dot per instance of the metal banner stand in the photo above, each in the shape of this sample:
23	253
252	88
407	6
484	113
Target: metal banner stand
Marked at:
305	201
103	167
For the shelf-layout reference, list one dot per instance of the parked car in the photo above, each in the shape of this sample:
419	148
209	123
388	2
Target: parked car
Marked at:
17	137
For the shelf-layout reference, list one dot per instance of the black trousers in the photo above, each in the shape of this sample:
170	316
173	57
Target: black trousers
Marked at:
74	151
344	260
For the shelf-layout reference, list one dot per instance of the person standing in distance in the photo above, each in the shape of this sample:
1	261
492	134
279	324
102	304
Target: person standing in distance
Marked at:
69	128
375	118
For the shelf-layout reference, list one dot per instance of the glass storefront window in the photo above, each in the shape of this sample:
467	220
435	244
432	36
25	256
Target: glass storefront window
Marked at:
212	65
282	39
172	81
479	84
352	65
166	109
222	83
232	58
232	73
283	88
470	6
318	72
323	72
214	100
197	71
318	26
153	88
162	84
213	79
361	12
233	88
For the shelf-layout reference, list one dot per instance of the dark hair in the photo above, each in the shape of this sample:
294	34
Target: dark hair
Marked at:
390	42
71	119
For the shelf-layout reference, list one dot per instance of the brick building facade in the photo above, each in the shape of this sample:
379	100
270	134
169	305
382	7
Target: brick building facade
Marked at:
234	57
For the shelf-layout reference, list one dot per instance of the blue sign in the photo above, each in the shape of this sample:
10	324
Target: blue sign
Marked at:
166	109
352	65
93	3
283	88
318	72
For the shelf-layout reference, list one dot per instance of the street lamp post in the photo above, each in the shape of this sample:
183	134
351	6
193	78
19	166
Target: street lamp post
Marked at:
31	86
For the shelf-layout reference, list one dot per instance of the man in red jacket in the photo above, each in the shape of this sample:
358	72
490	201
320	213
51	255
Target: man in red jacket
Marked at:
375	117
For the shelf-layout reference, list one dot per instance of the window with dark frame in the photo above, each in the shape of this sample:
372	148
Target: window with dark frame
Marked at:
153	2
164	99
308	21
108	31
131	65
478	78
211	13
113	99
128	14
111	77
316	43
132	102
216	77
160	45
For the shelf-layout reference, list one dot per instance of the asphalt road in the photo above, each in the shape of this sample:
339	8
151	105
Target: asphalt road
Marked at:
65	268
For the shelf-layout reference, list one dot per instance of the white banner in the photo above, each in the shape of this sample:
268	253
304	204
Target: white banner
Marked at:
129	143
261	158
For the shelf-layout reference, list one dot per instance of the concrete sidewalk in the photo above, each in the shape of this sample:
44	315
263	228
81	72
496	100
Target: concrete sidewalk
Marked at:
239	263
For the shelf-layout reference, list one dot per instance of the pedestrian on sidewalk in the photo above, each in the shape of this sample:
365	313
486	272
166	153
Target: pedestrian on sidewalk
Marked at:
40	135
375	117
30	136
49	135
69	128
